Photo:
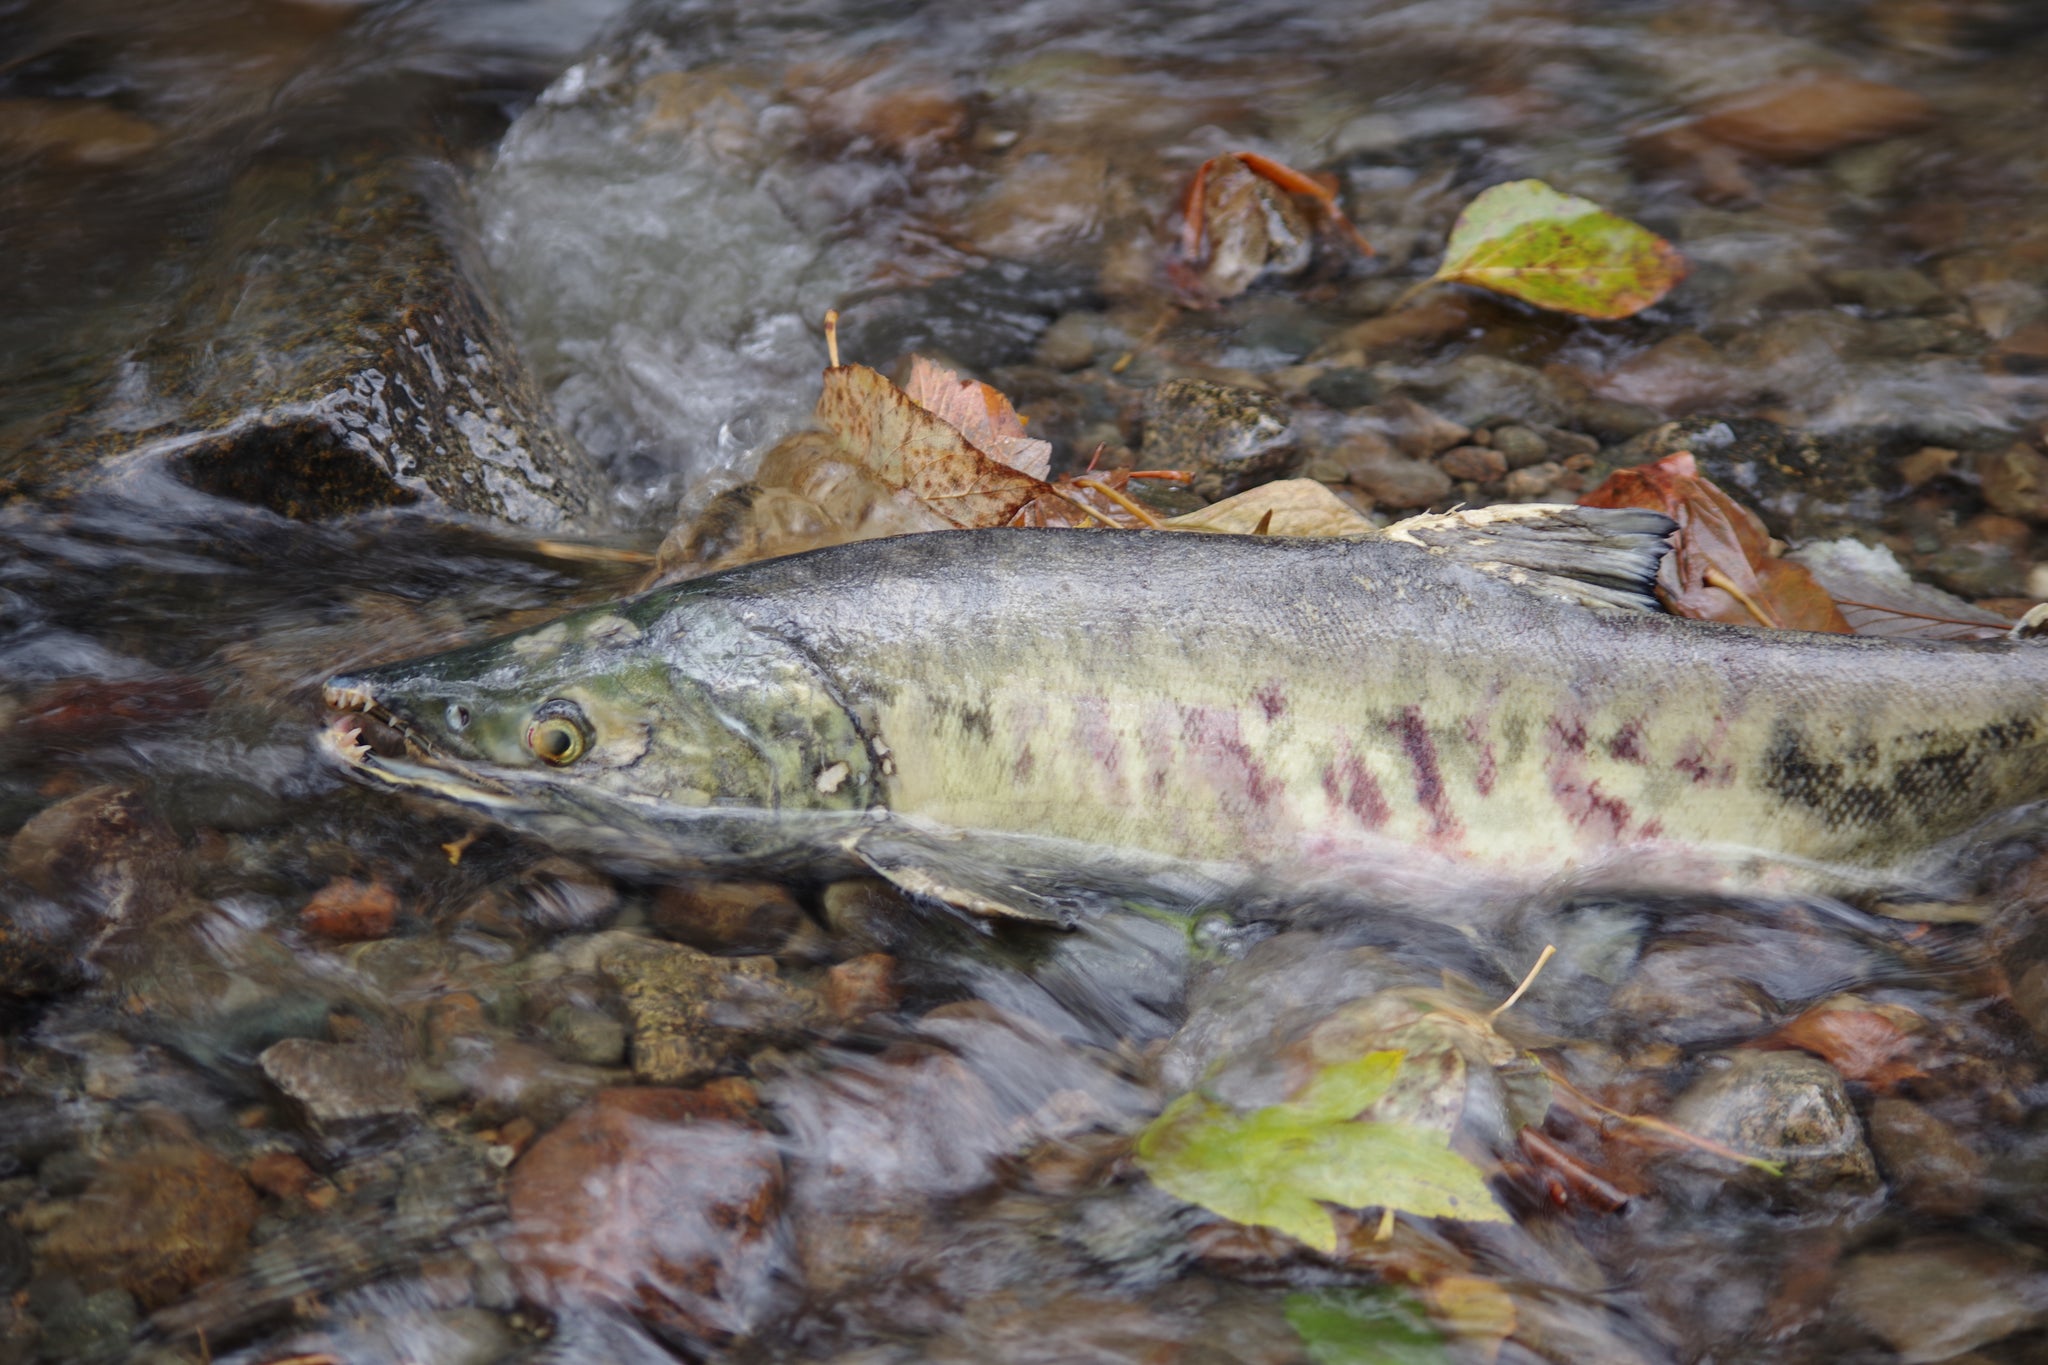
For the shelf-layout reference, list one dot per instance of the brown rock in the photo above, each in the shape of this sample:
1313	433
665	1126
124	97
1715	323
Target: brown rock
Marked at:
1480	464
1043	199
1676	375
1925	465
1520	446
1934	1298
2015	481
279	1174
81	132
1398	482
693	1014
1714	169
1414	430
1534	482
1930	1169
156	1224
351	911
1813	114
2006	533
103	843
1431	318
726	917
663	1202
866	911
861	986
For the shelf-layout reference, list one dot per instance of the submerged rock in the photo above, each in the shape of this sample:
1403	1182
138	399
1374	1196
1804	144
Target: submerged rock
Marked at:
664	1202
333	351
76	872
693	1013
1787	1108
1938	1297
1230	439
338	1083
156	1224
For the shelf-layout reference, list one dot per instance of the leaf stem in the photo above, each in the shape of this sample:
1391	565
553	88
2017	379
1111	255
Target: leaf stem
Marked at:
1056	491
1542	958
832	335
1714	578
1144	517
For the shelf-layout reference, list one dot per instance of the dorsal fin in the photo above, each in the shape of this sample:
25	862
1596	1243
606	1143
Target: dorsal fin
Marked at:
1605	558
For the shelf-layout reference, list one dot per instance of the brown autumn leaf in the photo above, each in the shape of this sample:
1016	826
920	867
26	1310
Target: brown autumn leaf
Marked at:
979	412
1866	1045
1721	566
890	437
1877	596
1286	507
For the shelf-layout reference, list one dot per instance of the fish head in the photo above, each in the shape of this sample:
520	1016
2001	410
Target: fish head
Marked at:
612	724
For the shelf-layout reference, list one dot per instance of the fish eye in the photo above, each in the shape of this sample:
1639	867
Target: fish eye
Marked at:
559	733
458	716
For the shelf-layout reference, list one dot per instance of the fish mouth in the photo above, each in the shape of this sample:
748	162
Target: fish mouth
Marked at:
378	746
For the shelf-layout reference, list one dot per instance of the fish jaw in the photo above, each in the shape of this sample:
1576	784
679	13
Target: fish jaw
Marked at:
426	769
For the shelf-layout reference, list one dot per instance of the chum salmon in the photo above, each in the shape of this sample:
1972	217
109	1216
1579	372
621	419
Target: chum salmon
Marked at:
1504	696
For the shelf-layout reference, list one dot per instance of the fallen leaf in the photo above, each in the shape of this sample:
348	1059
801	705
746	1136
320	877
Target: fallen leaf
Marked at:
1473	1310
1277	1166
979	412
1721	566
892	438
1877	597
1558	251
1289	507
1365	1325
1865	1045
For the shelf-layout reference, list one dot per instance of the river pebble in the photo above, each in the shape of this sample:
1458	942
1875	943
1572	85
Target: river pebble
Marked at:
1933	1299
156	1224
1229	438
1786	1108
1931	1170
694	1014
726	917
338	1084
660	1201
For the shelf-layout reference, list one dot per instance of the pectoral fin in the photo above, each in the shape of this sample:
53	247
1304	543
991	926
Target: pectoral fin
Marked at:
956	878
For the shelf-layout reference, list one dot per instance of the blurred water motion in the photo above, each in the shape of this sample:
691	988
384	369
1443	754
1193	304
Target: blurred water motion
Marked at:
289	1071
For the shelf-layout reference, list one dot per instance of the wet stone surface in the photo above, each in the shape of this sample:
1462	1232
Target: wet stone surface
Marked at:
293	1071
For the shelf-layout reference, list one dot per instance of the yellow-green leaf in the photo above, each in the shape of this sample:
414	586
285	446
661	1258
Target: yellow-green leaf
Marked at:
1342	1090
1278	1166
1559	251
1365	1325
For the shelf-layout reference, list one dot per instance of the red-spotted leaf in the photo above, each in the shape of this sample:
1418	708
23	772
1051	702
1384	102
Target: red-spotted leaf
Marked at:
899	443
979	412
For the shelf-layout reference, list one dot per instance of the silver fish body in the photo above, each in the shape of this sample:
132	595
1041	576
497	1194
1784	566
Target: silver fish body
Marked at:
1240	700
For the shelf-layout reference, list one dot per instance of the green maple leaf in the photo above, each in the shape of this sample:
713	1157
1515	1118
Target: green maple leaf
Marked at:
1278	1166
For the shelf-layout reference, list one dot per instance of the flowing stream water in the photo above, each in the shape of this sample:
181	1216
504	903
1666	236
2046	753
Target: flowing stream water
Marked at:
290	1071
